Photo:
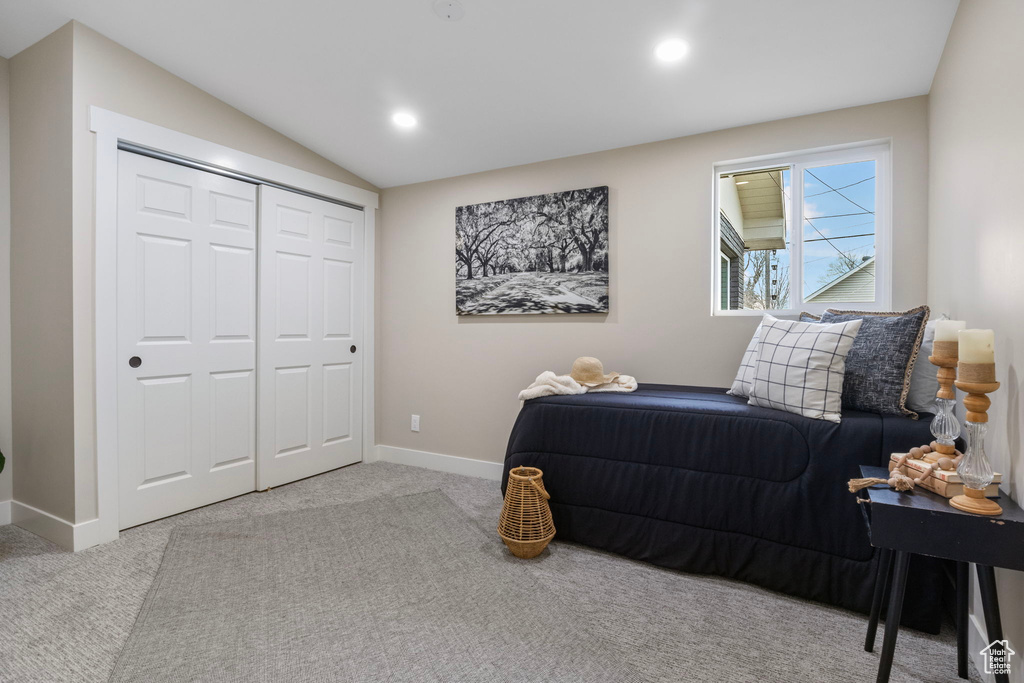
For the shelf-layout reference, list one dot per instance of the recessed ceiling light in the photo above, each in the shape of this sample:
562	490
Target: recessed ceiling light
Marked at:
671	50
403	119
742	182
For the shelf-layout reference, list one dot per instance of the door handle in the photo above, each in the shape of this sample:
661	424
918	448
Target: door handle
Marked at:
134	361
352	348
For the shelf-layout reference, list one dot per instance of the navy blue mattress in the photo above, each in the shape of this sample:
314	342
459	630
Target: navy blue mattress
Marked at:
694	479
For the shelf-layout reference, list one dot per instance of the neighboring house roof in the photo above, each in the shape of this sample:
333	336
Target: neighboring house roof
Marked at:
857	284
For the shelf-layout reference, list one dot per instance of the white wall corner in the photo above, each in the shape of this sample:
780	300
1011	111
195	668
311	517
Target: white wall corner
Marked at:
442	463
5	512
977	640
371	453
60	531
977	636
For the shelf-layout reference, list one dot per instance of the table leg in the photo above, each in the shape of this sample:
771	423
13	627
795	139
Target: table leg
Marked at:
963	587
990	603
878	596
892	617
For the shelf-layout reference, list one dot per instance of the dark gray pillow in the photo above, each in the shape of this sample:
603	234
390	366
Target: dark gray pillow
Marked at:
881	361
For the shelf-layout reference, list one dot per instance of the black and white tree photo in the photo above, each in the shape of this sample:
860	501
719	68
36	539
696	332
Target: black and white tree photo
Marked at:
541	254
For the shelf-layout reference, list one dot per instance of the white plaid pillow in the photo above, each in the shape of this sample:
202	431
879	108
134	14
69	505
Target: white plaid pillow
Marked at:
800	367
745	375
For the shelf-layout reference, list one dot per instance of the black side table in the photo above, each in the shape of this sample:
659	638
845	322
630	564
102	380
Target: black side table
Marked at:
901	524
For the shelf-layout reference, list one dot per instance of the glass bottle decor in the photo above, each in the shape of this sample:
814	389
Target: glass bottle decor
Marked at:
975	470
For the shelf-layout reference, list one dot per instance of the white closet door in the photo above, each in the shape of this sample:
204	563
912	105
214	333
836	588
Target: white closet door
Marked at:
310	366
186	326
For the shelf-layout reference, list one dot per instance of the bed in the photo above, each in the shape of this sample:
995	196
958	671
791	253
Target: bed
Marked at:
697	480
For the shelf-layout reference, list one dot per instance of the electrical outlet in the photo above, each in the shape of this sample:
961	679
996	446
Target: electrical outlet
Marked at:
415	423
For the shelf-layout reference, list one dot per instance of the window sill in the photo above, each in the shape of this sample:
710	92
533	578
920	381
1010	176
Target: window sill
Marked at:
815	309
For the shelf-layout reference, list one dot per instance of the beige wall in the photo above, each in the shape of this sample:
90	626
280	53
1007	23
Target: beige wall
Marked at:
462	375
976	241
41	275
5	279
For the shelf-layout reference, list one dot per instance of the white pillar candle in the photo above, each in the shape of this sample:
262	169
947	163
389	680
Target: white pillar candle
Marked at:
947	330
977	346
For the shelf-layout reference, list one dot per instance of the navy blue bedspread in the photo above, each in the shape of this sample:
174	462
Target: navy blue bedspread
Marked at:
694	479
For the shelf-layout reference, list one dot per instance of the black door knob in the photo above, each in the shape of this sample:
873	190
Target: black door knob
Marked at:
135	361
352	348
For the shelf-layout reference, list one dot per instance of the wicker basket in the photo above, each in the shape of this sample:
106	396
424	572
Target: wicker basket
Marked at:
526	526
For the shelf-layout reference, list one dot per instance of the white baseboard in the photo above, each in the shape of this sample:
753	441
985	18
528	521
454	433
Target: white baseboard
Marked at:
5	512
443	463
50	527
62	532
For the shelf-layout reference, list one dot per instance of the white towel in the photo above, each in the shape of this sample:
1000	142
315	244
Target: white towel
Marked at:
550	384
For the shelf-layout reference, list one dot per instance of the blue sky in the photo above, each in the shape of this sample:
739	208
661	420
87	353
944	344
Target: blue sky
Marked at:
841	219
837	215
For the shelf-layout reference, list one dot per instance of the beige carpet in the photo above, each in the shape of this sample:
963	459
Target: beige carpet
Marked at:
398	588
66	616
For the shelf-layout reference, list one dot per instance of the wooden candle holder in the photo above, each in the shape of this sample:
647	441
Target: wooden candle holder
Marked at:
976	380
945	355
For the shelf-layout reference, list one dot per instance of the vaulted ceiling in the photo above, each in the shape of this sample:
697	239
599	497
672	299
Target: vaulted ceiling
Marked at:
513	81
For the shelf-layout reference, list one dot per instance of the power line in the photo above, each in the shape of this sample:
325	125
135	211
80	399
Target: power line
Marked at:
848	251
847	227
855	225
840	237
866	211
840	215
849	260
838	192
777	185
836	189
840	251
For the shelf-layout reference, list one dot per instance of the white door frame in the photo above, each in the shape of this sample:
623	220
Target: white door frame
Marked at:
110	129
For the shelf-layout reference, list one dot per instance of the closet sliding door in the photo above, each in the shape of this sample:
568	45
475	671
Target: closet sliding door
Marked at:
204	339
186	338
310	336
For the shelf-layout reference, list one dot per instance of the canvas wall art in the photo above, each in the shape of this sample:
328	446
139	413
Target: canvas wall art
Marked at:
541	254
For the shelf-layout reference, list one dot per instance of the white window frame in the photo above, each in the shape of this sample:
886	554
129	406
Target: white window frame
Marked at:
878	151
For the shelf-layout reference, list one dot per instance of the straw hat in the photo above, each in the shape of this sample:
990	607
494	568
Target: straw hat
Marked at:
589	372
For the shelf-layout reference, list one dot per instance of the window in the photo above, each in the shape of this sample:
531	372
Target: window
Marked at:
803	231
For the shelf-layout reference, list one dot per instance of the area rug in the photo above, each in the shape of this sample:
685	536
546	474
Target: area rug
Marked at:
393	589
